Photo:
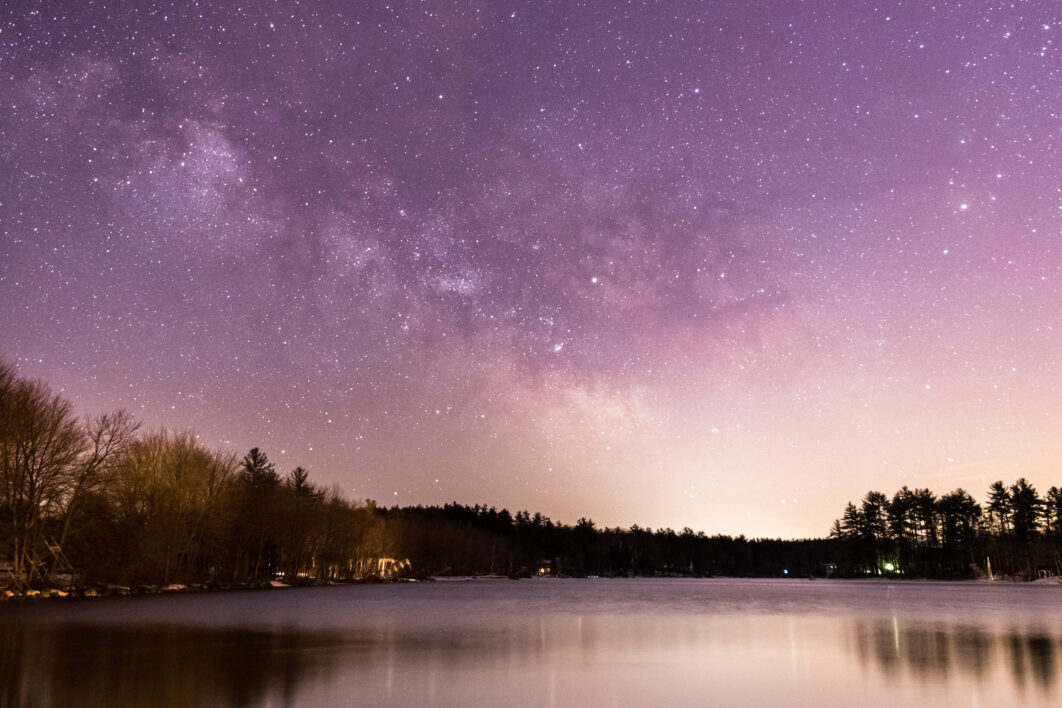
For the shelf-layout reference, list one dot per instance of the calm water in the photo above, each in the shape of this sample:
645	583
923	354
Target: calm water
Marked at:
544	643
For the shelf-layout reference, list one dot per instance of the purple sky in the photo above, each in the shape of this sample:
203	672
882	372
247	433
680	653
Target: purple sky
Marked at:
717	264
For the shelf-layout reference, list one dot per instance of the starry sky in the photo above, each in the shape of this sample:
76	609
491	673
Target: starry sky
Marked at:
720	264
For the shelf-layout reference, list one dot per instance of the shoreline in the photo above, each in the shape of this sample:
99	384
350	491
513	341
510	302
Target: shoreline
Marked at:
108	590
104	590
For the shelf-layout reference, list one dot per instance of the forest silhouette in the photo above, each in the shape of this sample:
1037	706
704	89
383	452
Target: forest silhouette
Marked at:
96	502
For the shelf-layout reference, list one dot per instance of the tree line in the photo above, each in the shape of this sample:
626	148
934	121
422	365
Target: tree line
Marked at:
102	501
99	501
1016	533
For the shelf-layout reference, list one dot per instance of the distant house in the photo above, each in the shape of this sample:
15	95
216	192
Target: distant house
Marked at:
381	568
544	569
391	568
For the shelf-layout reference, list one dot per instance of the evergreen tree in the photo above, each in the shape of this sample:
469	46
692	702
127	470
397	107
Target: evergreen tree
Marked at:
999	508
1024	510
1053	511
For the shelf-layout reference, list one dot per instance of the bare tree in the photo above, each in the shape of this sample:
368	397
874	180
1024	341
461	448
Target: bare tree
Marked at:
41	444
108	437
165	489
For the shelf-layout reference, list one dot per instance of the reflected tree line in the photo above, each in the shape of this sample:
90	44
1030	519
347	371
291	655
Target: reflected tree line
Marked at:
90	665
108	665
1016	533
1030	659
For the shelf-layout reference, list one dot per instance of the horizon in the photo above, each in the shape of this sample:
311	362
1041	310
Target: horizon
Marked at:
238	464
718	267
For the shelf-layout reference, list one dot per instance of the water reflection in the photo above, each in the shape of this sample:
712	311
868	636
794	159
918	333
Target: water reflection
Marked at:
541	644
941	651
161	666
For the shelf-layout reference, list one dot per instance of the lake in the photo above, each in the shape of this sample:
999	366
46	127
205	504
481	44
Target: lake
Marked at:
544	642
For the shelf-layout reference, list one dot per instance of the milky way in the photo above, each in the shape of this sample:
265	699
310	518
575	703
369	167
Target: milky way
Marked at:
717	264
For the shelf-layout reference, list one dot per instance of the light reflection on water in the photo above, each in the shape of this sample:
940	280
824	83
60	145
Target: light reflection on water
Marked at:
540	643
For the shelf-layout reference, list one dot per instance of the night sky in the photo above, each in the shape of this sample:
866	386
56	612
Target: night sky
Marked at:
717	264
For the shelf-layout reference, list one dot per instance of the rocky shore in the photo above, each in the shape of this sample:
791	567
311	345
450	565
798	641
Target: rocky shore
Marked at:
113	590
